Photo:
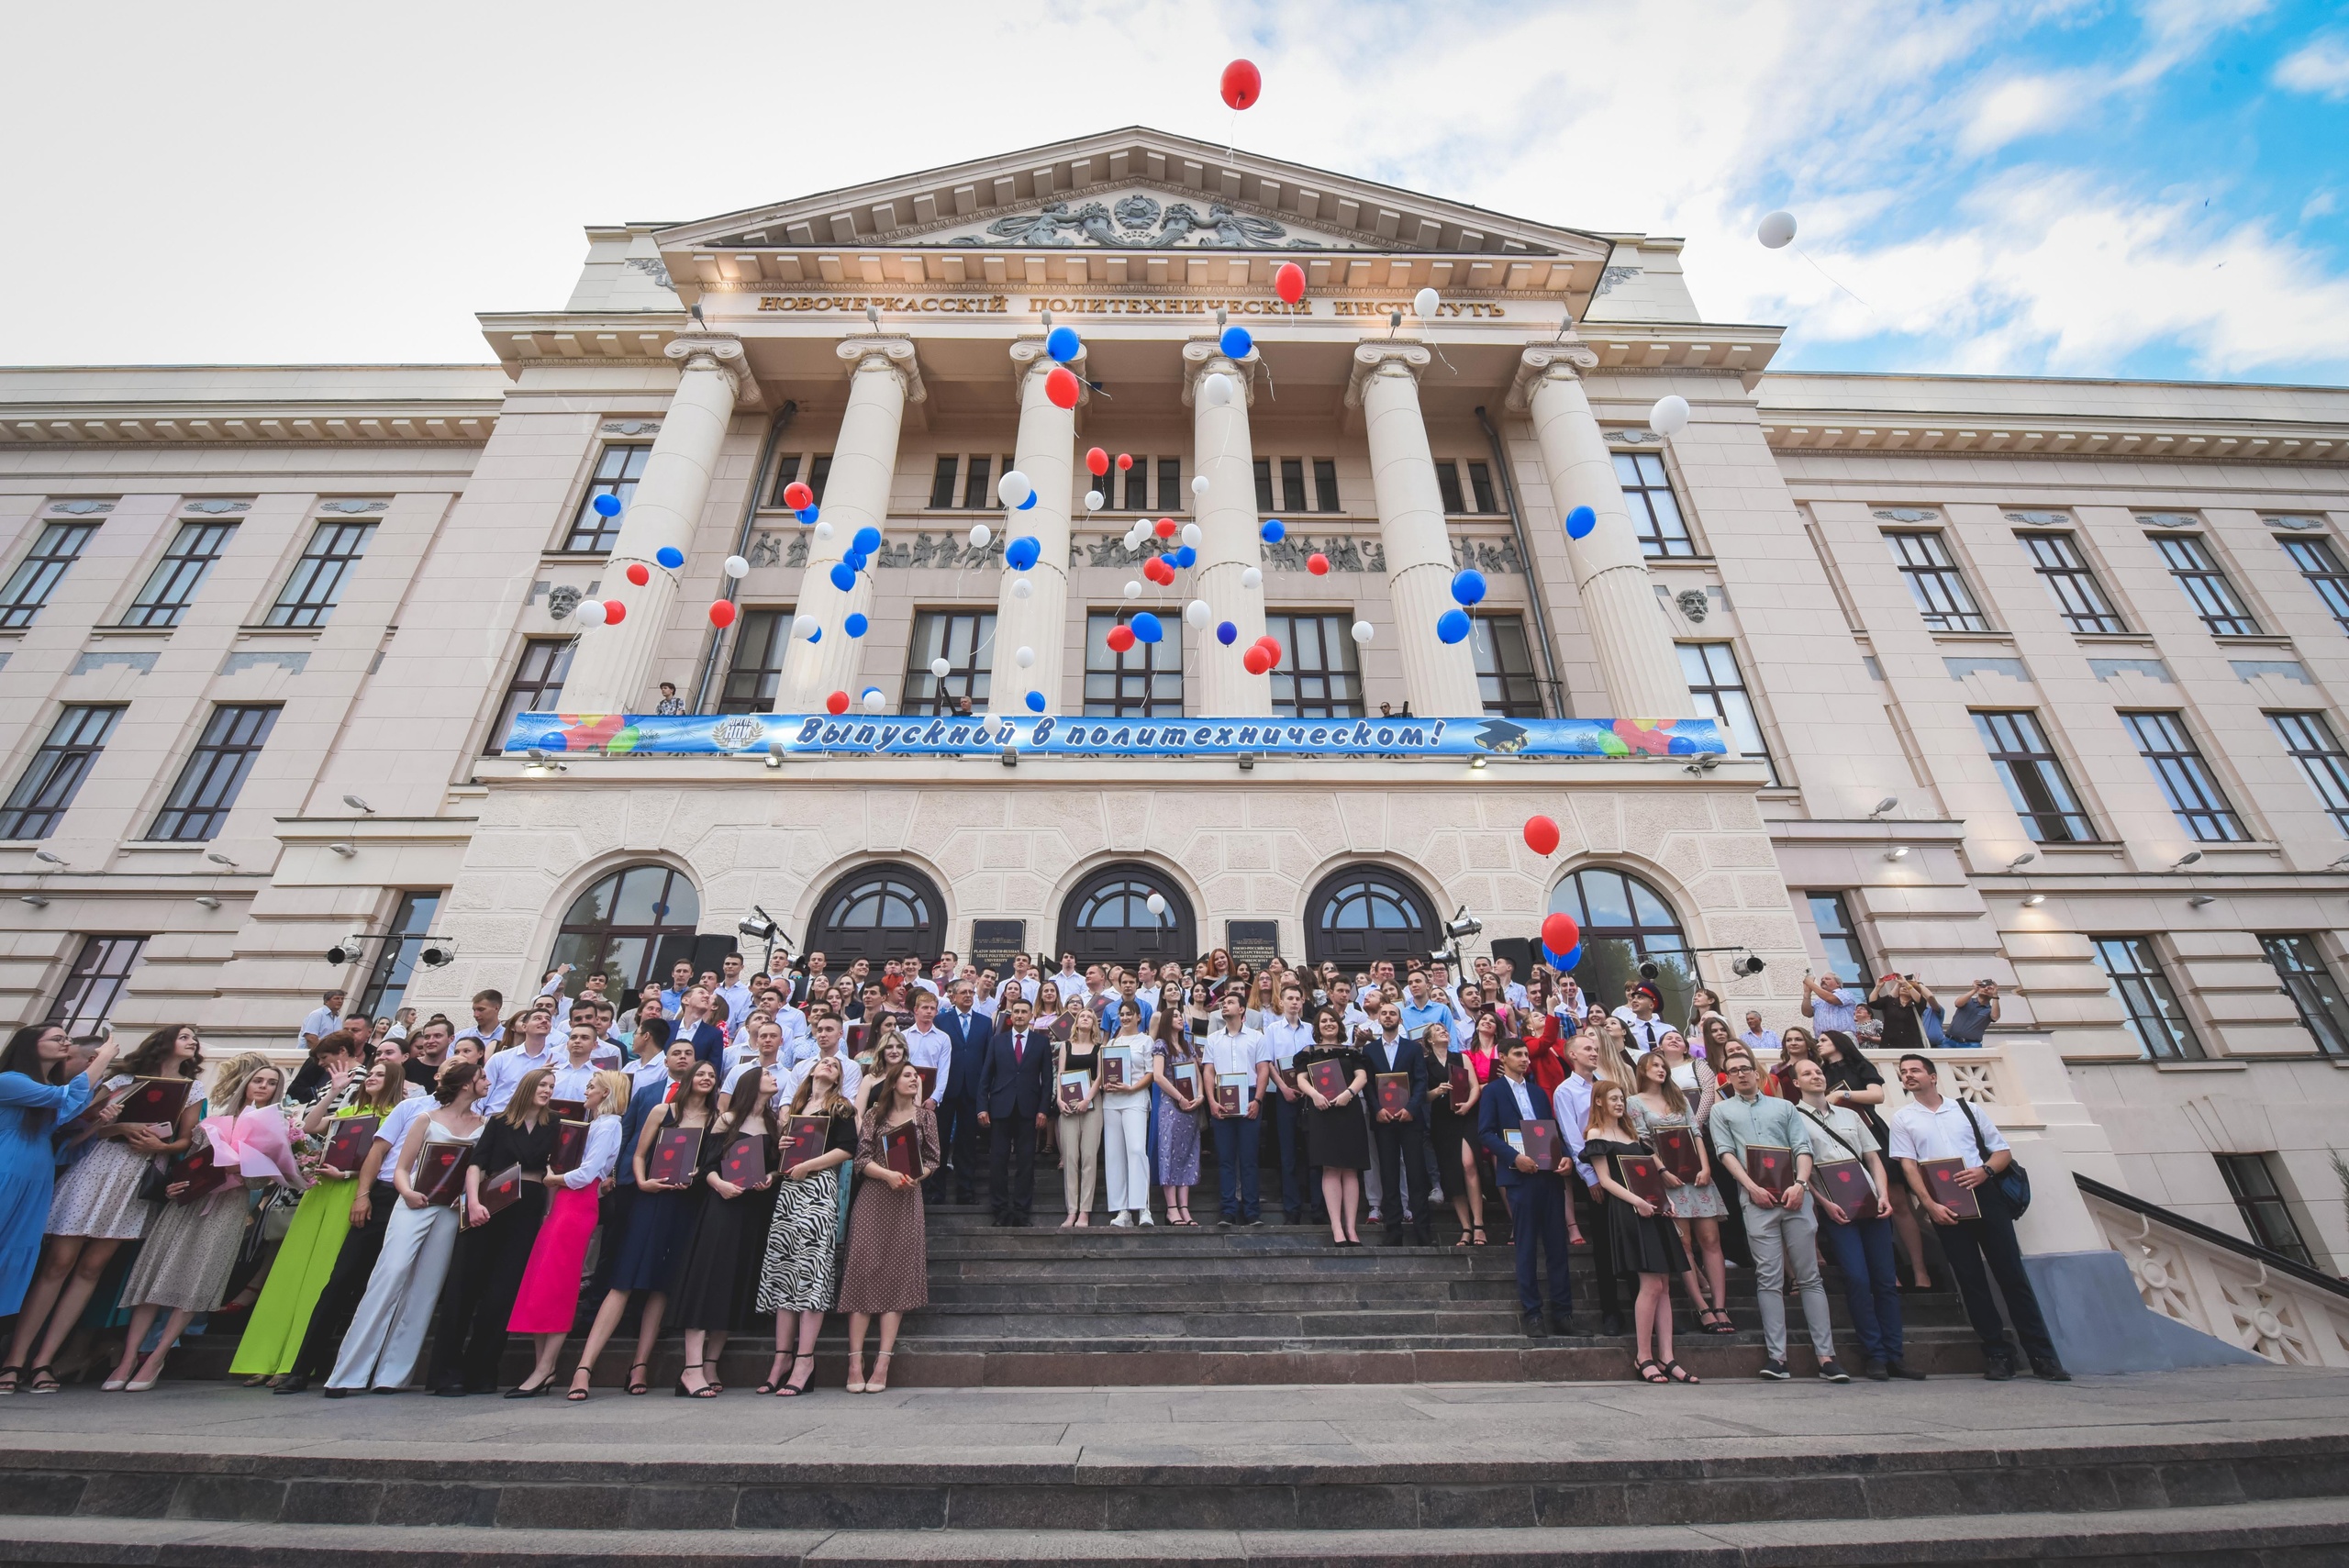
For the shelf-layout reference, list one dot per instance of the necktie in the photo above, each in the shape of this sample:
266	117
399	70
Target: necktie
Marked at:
1019	1046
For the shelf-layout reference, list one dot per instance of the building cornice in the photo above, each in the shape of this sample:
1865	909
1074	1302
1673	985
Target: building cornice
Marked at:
2056	435
182	422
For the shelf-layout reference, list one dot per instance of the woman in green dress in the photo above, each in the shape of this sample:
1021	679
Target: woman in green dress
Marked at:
305	1258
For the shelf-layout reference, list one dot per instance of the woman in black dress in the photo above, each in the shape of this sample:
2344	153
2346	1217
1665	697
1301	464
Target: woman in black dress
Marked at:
1644	1239
651	1245
1451	1129
719	1274
1336	1139
493	1248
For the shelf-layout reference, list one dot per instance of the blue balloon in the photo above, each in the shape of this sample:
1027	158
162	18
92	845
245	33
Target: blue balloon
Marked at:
1035	702
1273	530
1562	961
857	626
670	556
1236	342
1468	588
1064	344
817	635
1227	633
866	542
844	576
1452	625
858	560
1580	521
1022	552
1147	628
607	506
1186	558
805	515
1029	505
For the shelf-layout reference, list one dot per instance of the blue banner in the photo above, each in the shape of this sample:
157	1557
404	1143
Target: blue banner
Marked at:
618	735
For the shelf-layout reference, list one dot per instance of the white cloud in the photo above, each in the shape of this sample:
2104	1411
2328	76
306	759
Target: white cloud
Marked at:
2320	67
2020	107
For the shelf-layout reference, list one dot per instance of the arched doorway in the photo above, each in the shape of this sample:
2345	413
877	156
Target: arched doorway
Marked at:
1624	921
878	912
1361	914
1107	918
630	925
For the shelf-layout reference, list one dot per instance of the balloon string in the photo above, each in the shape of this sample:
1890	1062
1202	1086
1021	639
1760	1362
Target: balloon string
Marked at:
1829	276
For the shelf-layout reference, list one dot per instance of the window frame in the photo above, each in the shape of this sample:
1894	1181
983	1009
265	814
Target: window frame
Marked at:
1639	490
885	881
2324	763
664	934
1293	492
1262	469
1679	971
2267	1218
1945	601
38	792
213	776
537	687
2299	977
1713	689
2218	600
55	548
978	475
1843	943
315	586
1373	887
786	472
2038	764
1331	631
93	967
178	576
765	679
2186	782
1103	663
972	667
943	480
2321	568
1448	490
1505	693
2148	1000
396	959
586	535
1326	498
2086	602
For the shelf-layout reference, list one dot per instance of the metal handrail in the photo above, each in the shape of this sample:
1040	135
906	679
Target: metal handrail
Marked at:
2262	1256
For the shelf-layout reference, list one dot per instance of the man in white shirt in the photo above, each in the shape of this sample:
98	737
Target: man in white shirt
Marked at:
487	1031
730	986
1341	998
1644	1026
506	1069
1512	989
651	1042
1285	1035
1933	1127
1237	1054
1025	973
926	1045
828	1044
1571	1103
321	1022
578	1064
764	1054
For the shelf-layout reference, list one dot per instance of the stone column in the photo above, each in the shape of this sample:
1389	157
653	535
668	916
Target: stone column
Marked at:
612	665
1636	657
1439	679
883	376
1232	542
1046	454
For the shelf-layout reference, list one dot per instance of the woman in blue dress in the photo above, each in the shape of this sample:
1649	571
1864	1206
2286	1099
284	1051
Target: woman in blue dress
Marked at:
35	1099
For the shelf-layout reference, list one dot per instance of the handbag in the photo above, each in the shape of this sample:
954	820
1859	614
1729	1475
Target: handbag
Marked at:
2014	1182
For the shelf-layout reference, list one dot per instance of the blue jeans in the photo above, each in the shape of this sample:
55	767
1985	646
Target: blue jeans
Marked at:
1863	1252
1235	1160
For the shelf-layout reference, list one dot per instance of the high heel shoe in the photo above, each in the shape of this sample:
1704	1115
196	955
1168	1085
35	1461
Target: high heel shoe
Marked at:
635	1383
793	1390
524	1391
704	1392
577	1394
879	1382
709	1375
855	1374
775	1375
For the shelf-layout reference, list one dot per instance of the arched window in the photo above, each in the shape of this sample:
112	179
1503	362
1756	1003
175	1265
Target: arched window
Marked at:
879	912
1360	915
1625	921
1108	920
630	926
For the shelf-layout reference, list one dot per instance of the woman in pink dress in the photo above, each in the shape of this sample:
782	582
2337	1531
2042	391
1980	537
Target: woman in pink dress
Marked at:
549	1297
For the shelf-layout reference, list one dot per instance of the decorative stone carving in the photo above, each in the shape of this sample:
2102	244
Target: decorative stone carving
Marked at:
1564	360
1693	603
631	426
719	351
653	267
2293	522
873	351
292	662
1386	356
1346	553
1030	358
82	509
561	600
1907	514
1123	227
1203	355
1612	276
351	507
2040	519
1637	437
214	507
2169	519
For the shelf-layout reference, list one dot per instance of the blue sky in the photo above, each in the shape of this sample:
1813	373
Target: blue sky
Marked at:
2073	187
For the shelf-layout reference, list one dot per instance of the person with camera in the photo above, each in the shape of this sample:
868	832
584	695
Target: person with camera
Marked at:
1974	1016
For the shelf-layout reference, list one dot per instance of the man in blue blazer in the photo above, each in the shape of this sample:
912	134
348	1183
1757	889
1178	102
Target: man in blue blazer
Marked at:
1537	1198
1013	1072
970	1031
1402	1134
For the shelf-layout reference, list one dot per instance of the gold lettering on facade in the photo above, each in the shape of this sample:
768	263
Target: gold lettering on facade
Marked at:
892	305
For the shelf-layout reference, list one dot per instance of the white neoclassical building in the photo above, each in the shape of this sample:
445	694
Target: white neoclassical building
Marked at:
2040	681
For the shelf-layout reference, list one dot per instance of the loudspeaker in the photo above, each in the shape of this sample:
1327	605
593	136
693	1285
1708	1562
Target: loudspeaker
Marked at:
1519	952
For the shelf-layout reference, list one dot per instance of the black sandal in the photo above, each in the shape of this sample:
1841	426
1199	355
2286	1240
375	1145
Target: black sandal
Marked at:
1650	1371
788	1390
1717	1320
635	1383
709	1374
1479	1231
33	1383
1679	1373
773	1381
576	1393
13	1374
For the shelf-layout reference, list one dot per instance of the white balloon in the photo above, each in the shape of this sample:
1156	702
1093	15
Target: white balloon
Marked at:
589	612
1197	612
980	534
1199	485
823	531
1426	303
804	627
1155	904
874	701
1023	657
1251	578
1218	389
1670	414
1021	587
940	668
1013	488
1776	230
1364	631
737	568
1094	500
1133	589
1192	535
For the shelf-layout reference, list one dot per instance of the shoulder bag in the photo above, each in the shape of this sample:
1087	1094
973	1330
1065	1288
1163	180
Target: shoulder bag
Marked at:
2014	1182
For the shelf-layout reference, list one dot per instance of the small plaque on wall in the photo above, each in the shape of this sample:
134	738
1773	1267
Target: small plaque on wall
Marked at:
1252	943
995	943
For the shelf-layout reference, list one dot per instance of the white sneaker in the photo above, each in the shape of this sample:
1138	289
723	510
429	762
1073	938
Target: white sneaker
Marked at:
1120	1222
1146	1219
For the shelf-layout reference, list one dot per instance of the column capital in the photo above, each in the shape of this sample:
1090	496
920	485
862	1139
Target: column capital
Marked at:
1203	356
873	351
1029	358
1564	360
700	349
1386	356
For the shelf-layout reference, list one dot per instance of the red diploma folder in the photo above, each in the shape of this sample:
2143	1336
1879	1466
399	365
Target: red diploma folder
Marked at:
152	1100
1394	1091
804	1138
1940	1180
900	1150
1227	1099
1844	1182
498	1192
347	1142
440	1173
1772	1168
744	1163
929	1083
1677	1148
1328	1076
1185	1074
567	1110
852	1038
1464	1083
1073	1087
1643	1175
203	1174
1543	1144
675	1155
570	1146
1113	1068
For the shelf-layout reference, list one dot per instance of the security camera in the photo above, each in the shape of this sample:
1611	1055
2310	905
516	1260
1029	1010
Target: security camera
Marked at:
1648	970
437	953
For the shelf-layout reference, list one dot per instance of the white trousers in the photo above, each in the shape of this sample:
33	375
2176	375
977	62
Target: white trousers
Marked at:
388	1330
1125	1151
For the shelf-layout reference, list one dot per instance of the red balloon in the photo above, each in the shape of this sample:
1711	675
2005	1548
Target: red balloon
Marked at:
838	703
1158	572
1121	638
1096	462
1318	563
1272	648
1542	838
1124	461
614	612
1255	661
798	496
1165	527
1243	86
1559	933
721	614
1288	282
1061	388
637	575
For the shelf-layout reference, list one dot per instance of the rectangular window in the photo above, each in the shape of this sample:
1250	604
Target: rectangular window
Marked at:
1935	583
38	575
1838	937
2309	981
54	776
95	983
1505	677
536	685
1711	670
2197	572
2143	991
2251	1182
2186	780
1264	507
2315	557
1655	512
2077	594
1292	485
1447	483
1480	487
786	473
1319	676
2309	738
756	671
316	587
1136	486
396	961
2034	778
215	773
942	485
962	638
1170	484
173	585
1144	681
978	476
819	473
1325	485
616	472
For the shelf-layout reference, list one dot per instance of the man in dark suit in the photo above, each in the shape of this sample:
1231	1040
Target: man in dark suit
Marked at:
971	1032
1537	1198
1402	1134
1013	1072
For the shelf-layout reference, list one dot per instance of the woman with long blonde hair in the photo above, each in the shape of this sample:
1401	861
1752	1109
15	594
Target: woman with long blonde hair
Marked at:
800	1279
548	1300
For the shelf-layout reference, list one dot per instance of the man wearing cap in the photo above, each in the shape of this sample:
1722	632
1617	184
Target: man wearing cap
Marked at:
1640	1018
